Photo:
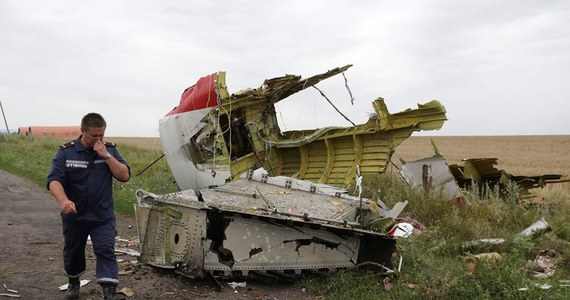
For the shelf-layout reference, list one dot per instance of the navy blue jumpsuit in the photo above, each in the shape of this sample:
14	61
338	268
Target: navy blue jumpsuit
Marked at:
88	182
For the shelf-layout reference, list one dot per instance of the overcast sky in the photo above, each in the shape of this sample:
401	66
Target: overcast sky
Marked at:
499	67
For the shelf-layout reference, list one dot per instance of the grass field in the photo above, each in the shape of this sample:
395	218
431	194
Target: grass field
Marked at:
434	262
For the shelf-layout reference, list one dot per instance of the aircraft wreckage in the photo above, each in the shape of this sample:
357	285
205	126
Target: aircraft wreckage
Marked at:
480	173
256	199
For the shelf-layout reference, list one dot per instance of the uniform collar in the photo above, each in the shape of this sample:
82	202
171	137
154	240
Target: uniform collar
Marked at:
78	146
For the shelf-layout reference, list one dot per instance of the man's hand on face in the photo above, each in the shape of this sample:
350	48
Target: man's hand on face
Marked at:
100	148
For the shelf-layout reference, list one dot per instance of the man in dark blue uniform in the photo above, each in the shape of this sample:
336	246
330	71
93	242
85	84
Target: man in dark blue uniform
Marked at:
81	180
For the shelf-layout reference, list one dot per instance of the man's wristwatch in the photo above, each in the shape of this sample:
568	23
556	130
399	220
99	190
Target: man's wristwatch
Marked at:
107	155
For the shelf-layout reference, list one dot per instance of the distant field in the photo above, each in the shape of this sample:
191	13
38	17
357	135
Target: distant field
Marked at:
518	155
141	142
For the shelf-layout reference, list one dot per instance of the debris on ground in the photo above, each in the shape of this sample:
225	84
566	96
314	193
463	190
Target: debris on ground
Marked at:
10	290
402	230
543	286
11	293
538	226
544	264
429	173
82	283
388	283
235	285
127	292
474	260
489	242
405	227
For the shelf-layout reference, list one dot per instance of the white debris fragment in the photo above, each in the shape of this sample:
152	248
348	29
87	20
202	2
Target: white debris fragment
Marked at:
10	295
127	251
402	230
10	290
543	286
540	225
13	295
82	283
234	285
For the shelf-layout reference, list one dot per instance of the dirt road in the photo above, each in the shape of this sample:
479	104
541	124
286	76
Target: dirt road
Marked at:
31	260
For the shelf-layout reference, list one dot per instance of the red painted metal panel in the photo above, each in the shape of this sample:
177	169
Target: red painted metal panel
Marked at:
201	95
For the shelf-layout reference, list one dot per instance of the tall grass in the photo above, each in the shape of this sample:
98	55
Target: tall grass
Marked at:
433	263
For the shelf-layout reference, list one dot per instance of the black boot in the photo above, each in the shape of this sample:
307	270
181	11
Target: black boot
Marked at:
109	290
73	288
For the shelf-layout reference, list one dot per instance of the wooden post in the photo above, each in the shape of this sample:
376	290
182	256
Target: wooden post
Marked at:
426	177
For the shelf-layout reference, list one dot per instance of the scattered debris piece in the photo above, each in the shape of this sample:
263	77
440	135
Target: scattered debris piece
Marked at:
482	171
127	292
490	257
402	230
483	242
234	285
82	283
388	283
413	286
544	263
10	295
384	211
538	226
10	290
440	176
543	286
401	227
125	272
127	251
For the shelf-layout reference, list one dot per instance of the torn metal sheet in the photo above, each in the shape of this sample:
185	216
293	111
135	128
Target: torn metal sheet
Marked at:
441	176
383	211
213	136
482	171
257	224
432	172
538	226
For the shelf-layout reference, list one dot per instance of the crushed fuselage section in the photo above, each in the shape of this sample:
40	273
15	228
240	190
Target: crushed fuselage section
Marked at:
250	225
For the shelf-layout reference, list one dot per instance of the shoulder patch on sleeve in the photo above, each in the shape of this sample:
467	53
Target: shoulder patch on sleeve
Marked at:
109	144
67	145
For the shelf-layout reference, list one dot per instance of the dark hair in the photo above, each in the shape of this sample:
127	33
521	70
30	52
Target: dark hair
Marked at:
92	120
